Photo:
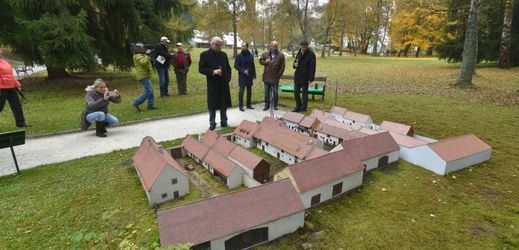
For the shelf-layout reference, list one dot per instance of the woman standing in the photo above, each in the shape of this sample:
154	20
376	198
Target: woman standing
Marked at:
9	88
97	99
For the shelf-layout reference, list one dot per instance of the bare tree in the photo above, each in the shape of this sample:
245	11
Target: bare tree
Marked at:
504	50
302	16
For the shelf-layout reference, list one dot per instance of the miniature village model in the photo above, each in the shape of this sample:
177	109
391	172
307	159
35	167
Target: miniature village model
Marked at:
327	156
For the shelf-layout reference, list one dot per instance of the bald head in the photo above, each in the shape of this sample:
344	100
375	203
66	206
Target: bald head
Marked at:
274	46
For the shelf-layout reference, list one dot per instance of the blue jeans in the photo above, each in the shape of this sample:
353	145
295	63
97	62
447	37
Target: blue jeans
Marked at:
148	94
274	88
163	81
100	116
212	117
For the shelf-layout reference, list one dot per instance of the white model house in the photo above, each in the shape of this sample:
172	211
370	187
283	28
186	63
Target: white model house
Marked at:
324	177
375	151
161	176
350	117
292	120
243	134
397	128
307	125
331	135
237	220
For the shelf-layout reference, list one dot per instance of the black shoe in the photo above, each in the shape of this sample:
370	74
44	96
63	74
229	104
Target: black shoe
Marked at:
212	127
137	107
224	125
250	107
242	110
296	110
152	108
100	128
265	108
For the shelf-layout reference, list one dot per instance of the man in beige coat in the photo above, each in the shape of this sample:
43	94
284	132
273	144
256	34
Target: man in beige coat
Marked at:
274	62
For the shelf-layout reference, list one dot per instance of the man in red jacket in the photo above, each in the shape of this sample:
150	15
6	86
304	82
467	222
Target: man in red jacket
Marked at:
9	88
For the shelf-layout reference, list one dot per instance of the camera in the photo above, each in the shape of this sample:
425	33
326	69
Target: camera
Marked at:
140	48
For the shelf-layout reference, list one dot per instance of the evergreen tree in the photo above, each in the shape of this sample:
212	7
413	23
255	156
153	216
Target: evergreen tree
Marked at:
71	34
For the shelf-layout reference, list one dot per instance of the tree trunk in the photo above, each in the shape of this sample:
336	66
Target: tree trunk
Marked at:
429	51
325	42
504	50
235	39
377	28
342	41
417	52
470	46
399	53
406	49
57	73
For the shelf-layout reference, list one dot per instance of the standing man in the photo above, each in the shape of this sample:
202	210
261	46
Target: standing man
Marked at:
274	62
161	59
142	71
181	62
304	64
214	64
244	63
9	89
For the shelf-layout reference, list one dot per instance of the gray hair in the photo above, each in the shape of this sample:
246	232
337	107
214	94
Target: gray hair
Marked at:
96	84
216	39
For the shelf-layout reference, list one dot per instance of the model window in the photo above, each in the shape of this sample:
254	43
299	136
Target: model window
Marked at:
164	195
174	181
315	199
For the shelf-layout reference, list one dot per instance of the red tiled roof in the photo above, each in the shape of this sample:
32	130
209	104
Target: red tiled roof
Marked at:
406	141
320	115
316	152
397	128
338	111
368	131
246	129
357	117
150	159
341	133
245	157
371	146
220	163
459	147
195	147
210	138
223	146
308	122
314	173
339	124
293	117
216	217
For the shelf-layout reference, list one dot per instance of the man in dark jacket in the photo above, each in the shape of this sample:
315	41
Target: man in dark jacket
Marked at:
214	64
304	64
181	62
161	59
274	62
244	63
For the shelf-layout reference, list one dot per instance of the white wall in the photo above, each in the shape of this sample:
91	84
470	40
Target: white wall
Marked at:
235	178
243	142
271	150
424	157
348	183
278	228
250	182
245	169
331	139
292	125
373	162
163	185
468	161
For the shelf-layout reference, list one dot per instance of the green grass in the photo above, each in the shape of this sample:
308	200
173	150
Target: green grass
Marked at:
276	165
89	203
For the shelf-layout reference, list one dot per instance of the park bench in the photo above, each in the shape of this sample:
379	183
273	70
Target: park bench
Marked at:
11	139
319	88
23	69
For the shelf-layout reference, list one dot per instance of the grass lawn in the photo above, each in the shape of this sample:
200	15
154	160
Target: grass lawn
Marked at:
98	202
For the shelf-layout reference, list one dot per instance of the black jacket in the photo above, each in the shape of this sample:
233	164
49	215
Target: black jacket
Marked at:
161	50
245	60
305	70
218	92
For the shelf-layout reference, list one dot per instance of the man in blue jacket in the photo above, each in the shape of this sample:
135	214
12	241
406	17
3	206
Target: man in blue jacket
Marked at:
305	72
161	59
244	63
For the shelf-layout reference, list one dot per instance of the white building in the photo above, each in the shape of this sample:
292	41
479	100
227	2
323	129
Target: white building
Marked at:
228	39
161	176
322	178
237	220
350	117
333	136
292	120
243	134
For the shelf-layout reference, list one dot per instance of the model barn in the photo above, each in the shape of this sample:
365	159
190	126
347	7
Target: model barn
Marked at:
237	220
161	176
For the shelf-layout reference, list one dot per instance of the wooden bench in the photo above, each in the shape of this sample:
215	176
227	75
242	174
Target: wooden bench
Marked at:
319	88
11	139
23	69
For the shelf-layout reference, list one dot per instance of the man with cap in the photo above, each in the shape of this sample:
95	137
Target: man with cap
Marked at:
304	64
161	59
181	61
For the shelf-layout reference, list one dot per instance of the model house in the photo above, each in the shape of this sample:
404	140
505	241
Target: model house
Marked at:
350	117
292	120
397	128
237	220
161	176
307	125
243	134
374	151
333	136
324	177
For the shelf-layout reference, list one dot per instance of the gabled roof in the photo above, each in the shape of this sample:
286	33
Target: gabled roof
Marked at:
338	124
195	147
151	159
341	133
293	117
216	217
246	129
210	137
371	146
219	163
316	152
338	111
223	146
245	157
310	174
459	147
357	117
308	122
407	141
320	115
368	131
397	128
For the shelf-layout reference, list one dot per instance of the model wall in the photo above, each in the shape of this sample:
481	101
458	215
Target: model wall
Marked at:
348	183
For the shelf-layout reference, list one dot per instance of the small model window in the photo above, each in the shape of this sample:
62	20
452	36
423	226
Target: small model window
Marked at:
174	181
164	195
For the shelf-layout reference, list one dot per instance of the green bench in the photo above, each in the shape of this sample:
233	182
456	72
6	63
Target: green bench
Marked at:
11	139
319	88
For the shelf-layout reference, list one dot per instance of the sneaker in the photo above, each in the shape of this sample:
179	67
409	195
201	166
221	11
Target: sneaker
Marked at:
137	107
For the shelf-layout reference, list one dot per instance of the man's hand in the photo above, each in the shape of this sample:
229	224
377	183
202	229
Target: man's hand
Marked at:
217	72
310	82
267	61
